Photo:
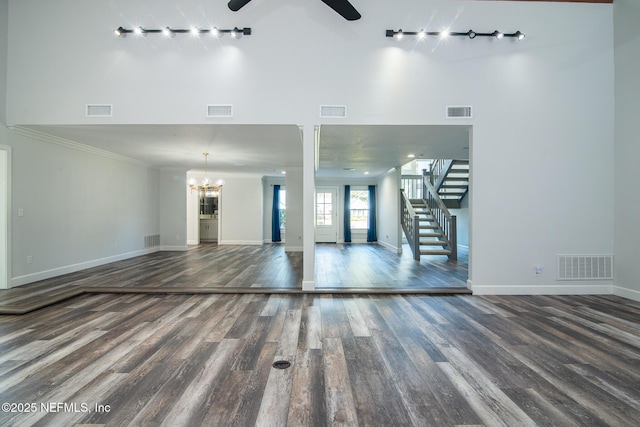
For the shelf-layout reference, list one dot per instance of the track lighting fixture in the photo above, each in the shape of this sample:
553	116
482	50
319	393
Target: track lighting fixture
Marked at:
445	33
235	33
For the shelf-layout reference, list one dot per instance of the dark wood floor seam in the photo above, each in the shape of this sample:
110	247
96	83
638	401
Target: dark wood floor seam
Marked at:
39	303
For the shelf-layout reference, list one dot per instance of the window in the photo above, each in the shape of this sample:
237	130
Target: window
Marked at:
359	204
283	208
324	209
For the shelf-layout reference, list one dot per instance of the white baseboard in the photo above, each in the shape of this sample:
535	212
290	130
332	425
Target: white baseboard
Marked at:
54	272
308	285
293	249
601	289
626	293
241	242
390	247
169	248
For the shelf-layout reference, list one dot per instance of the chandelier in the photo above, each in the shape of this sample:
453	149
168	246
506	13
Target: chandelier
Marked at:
206	188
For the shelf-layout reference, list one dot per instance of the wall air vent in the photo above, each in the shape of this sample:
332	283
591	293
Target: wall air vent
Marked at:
99	110
585	267
333	111
459	112
219	110
151	241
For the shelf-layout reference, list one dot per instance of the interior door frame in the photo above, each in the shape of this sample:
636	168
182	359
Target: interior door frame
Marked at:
5	217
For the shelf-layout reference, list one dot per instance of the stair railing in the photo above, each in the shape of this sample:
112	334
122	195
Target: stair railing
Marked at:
412	186
439	170
443	217
410	225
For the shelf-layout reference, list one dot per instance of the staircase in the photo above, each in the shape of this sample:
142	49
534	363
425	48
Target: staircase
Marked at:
432	240
452	181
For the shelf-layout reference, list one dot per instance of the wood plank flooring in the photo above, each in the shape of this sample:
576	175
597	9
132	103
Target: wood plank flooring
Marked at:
403	360
340	266
209	268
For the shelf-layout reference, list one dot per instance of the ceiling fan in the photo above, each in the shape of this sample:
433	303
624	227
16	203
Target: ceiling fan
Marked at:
343	7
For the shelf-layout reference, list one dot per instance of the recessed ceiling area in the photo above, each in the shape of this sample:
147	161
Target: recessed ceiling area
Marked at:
345	151
348	151
251	149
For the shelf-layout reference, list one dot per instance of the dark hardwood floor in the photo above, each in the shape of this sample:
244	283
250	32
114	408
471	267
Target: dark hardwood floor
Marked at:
377	360
359	266
209	268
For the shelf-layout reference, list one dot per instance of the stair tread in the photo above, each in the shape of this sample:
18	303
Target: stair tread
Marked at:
436	252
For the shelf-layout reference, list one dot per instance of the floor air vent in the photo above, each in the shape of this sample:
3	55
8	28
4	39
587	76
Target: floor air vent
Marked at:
151	241
219	110
99	110
585	267
459	112
333	111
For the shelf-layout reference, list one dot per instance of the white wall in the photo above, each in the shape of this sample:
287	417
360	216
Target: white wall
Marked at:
627	148
4	27
5	239
241	215
80	209
173	216
389	229
543	108
462	222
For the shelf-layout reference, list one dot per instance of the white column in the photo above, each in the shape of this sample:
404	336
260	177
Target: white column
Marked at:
308	207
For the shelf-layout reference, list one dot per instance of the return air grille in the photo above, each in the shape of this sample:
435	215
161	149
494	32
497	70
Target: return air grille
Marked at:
99	110
151	241
333	111
459	112
219	110
585	267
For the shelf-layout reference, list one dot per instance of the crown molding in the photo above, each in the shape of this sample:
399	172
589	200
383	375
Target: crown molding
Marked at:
45	137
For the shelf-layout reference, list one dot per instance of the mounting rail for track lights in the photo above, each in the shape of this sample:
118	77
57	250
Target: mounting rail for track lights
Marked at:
171	32
399	34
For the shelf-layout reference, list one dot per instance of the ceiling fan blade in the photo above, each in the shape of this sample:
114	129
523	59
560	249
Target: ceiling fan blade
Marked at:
344	8
236	5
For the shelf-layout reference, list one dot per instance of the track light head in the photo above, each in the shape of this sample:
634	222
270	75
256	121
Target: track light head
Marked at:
497	34
472	34
519	35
